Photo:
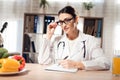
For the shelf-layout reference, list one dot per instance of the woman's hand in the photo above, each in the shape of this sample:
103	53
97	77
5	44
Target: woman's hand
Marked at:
72	64
50	29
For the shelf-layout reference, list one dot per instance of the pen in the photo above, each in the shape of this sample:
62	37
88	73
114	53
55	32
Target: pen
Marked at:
65	57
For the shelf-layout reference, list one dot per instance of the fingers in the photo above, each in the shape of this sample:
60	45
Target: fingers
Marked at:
64	64
67	64
72	64
50	29
52	26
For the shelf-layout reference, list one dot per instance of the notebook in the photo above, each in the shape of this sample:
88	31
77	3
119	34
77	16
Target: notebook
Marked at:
56	67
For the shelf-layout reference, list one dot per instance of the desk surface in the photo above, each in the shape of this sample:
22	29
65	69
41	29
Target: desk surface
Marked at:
37	72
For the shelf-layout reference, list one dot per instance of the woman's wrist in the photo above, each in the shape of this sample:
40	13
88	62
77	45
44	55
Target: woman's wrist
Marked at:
48	36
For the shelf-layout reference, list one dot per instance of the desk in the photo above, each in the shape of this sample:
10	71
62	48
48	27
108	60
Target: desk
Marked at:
37	72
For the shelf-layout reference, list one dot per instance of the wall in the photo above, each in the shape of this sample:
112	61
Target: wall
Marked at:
56	5
108	28
12	11
111	27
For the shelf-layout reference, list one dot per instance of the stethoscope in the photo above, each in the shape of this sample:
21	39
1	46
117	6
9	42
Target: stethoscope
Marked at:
62	43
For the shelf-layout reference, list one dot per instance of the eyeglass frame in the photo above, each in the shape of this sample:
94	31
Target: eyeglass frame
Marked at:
65	21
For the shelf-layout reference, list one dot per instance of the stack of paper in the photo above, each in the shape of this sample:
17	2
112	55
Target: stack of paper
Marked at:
56	67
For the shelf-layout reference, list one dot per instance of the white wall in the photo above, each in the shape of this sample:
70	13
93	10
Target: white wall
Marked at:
12	11
111	28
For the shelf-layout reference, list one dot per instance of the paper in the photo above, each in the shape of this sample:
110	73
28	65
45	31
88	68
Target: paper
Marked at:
56	67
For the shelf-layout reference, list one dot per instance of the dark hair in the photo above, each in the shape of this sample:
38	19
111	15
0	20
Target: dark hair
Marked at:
68	9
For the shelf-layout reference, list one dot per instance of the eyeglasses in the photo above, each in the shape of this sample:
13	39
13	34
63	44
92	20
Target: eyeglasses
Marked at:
66	21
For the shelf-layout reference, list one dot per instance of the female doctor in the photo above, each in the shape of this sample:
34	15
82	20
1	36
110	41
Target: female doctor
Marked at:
74	49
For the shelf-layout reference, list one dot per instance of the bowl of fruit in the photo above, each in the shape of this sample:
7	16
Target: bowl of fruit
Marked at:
11	64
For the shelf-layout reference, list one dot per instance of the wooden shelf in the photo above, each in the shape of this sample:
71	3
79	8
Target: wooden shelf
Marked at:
34	28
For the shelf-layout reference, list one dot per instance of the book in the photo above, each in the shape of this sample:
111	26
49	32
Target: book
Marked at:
47	21
30	25
35	23
33	46
39	25
89	26
99	28
26	56
57	67
26	44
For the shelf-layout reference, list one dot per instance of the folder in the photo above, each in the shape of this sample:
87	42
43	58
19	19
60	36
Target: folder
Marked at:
33	46
57	67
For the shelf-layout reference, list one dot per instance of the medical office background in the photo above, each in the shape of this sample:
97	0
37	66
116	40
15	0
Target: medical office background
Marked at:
12	11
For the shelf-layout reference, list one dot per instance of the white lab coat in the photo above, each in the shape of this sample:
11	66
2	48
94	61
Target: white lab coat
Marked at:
94	57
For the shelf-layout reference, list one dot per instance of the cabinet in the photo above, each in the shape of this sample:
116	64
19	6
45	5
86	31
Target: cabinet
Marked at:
35	26
93	26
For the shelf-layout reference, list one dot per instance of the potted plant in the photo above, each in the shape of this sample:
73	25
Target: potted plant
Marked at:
88	6
44	4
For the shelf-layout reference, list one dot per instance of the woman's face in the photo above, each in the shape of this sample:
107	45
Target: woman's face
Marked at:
66	21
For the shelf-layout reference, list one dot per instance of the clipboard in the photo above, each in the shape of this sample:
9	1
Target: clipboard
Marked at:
56	67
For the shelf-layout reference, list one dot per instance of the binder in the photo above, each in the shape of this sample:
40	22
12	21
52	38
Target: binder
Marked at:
26	47
99	28
33	46
47	21
35	23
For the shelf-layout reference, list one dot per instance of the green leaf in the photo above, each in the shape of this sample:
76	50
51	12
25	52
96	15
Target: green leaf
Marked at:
1	54
88	5
43	3
2	51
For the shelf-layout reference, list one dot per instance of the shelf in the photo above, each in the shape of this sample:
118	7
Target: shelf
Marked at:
93	26
35	26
